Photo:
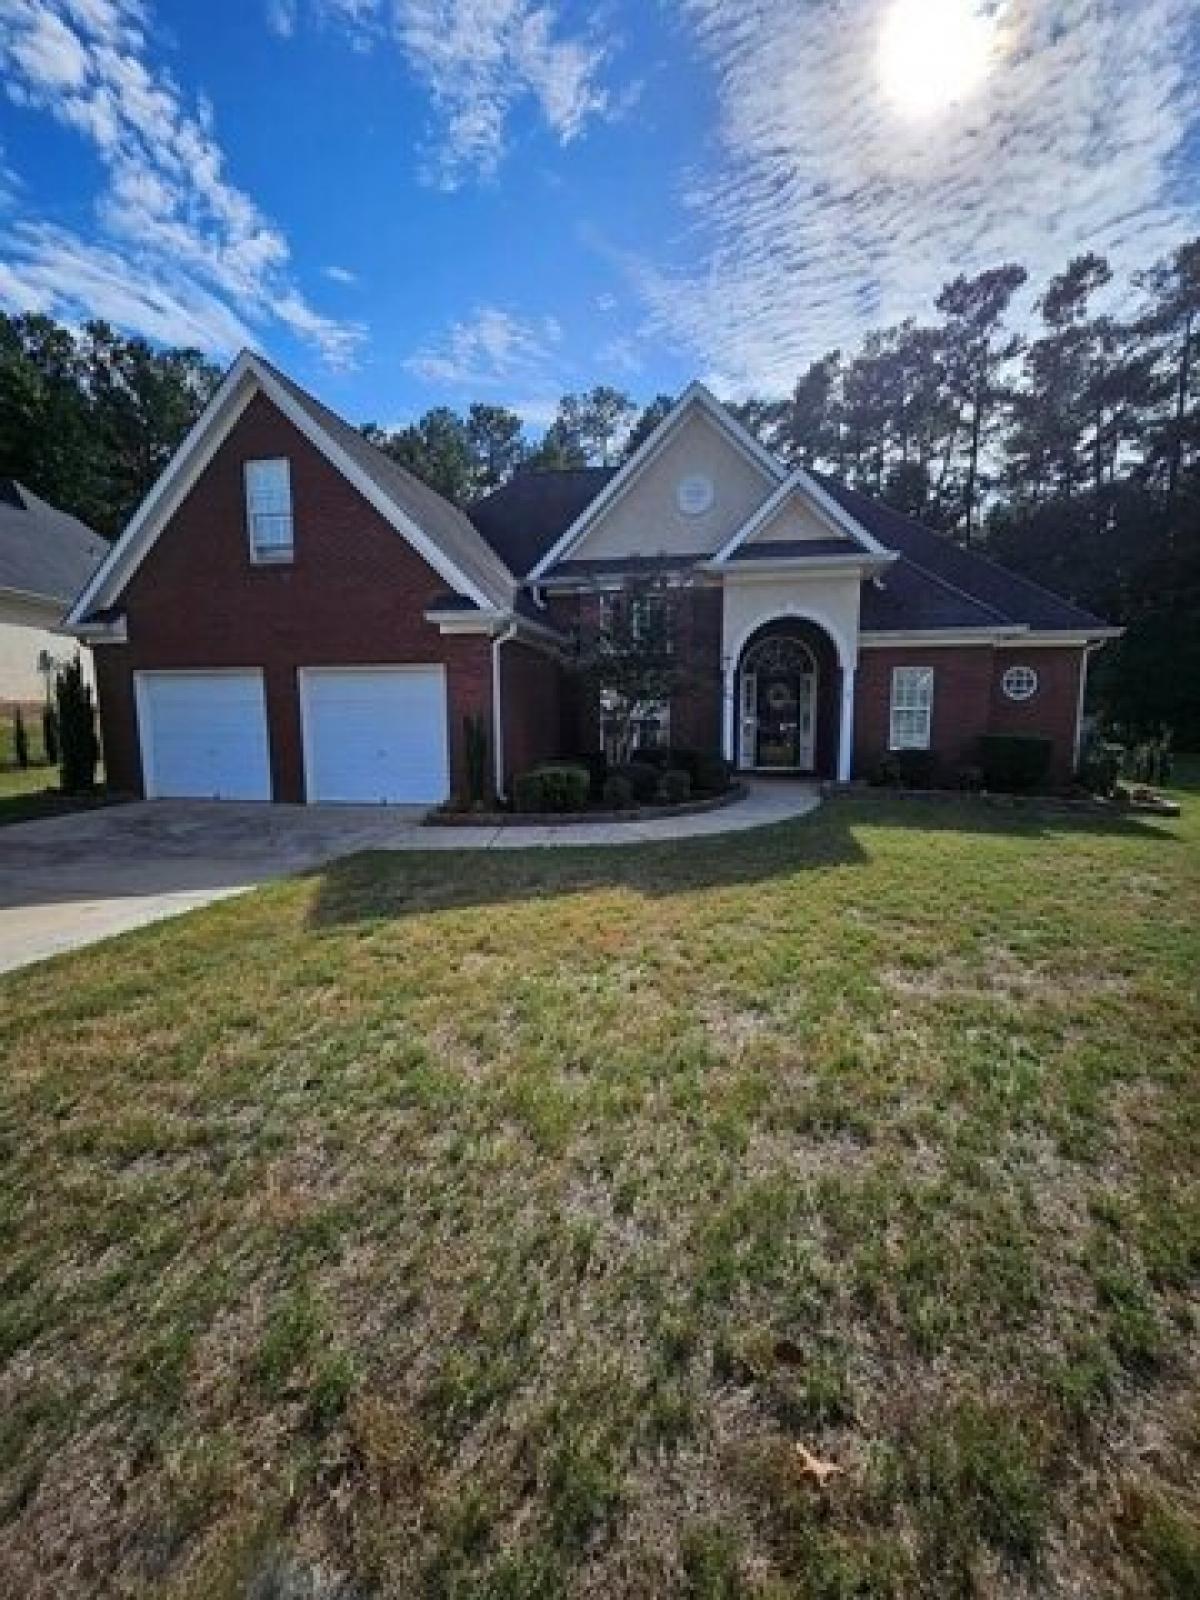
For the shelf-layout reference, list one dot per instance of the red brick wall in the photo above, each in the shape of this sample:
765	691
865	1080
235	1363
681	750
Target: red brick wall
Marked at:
355	594
967	702
1052	711
532	687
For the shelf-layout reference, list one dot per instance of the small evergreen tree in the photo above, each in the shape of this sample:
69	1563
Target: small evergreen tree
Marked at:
50	733
20	738
475	747
79	749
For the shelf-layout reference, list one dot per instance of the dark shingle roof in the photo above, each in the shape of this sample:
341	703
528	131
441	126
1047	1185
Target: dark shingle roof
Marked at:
938	584
522	519
44	551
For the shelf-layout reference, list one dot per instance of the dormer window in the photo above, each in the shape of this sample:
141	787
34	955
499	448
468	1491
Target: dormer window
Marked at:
269	510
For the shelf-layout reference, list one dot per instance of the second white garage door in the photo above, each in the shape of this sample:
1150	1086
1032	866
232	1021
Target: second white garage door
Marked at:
375	735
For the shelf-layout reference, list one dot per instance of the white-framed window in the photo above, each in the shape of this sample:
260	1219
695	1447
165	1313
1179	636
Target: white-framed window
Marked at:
912	708
269	509
1020	682
651	727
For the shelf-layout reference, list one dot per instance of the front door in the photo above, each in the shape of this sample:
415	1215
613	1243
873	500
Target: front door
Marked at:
785	720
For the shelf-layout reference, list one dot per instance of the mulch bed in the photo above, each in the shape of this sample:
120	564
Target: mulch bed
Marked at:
572	819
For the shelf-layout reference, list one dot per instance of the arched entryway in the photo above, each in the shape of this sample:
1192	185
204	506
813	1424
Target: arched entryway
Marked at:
787	697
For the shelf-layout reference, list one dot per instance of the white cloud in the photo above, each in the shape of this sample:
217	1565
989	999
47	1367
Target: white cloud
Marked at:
341	275
281	17
489	349
831	211
479	60
194	249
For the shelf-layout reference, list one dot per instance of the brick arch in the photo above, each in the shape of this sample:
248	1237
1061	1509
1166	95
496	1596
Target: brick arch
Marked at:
826	657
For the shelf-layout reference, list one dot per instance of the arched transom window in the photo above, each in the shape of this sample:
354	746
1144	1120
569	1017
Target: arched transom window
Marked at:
780	653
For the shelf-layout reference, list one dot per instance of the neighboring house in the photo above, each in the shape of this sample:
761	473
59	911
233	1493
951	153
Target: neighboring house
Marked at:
292	615
46	557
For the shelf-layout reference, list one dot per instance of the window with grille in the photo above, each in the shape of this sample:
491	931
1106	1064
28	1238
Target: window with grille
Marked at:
269	510
912	708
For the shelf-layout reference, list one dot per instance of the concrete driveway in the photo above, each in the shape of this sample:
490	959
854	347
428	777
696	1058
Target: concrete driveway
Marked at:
71	880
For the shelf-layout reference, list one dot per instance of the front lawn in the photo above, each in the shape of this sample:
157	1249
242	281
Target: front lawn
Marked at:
511	1225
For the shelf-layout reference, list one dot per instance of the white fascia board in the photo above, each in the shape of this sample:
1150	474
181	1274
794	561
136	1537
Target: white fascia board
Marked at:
935	638
800	482
193	455
863	566
1072	638
694	396
115	632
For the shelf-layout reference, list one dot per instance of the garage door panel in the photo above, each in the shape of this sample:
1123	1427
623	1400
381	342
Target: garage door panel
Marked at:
204	735
375	735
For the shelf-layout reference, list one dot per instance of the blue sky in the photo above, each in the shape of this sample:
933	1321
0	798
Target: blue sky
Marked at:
411	202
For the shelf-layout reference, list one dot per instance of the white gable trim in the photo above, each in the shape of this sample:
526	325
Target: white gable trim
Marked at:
694	397
802	483
244	379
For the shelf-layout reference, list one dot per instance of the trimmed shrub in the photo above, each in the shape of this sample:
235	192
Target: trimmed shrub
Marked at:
709	772
676	786
655	756
617	792
908	769
642	779
595	763
79	748
1014	762
551	789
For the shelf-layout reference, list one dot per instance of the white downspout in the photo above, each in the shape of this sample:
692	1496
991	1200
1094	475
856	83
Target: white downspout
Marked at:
1084	663
498	709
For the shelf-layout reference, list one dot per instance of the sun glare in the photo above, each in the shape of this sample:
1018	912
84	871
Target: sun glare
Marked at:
933	53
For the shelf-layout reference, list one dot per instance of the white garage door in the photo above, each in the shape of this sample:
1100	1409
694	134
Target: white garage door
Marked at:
375	734
204	735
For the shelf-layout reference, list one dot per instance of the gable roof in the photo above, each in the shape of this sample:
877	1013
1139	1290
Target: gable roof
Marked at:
804	485
44	552
524	517
694	398
939	579
438	531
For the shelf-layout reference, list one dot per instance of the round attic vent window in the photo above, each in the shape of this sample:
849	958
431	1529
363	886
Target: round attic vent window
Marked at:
1020	683
695	495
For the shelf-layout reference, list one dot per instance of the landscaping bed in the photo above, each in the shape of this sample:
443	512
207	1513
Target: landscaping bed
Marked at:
572	819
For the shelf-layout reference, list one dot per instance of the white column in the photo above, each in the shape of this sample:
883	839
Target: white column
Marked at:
846	737
728	708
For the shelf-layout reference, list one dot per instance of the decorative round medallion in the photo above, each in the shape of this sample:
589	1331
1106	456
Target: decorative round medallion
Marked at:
1020	683
695	494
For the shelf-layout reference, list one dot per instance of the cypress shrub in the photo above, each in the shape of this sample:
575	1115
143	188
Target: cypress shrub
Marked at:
79	749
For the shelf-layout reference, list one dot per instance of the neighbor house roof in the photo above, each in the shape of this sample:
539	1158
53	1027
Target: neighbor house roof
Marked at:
524	518
939	584
45	553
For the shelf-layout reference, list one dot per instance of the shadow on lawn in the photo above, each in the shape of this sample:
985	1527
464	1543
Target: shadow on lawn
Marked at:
381	884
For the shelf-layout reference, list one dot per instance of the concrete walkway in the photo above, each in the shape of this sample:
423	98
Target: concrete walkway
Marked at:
72	880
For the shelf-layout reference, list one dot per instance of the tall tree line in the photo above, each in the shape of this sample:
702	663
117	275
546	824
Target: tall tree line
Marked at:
89	418
1069	450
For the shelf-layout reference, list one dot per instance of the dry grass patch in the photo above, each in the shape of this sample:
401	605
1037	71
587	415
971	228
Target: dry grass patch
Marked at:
509	1226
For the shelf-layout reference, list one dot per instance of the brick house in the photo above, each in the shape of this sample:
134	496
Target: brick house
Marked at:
291	615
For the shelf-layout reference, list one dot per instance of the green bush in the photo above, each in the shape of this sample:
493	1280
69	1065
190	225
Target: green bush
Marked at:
79	749
1014	762
595	762
1101	767
551	788
617	792
676	786
908	769
656	756
710	773
642	778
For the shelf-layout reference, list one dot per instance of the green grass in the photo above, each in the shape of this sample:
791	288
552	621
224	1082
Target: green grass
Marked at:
27	793
499	1226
